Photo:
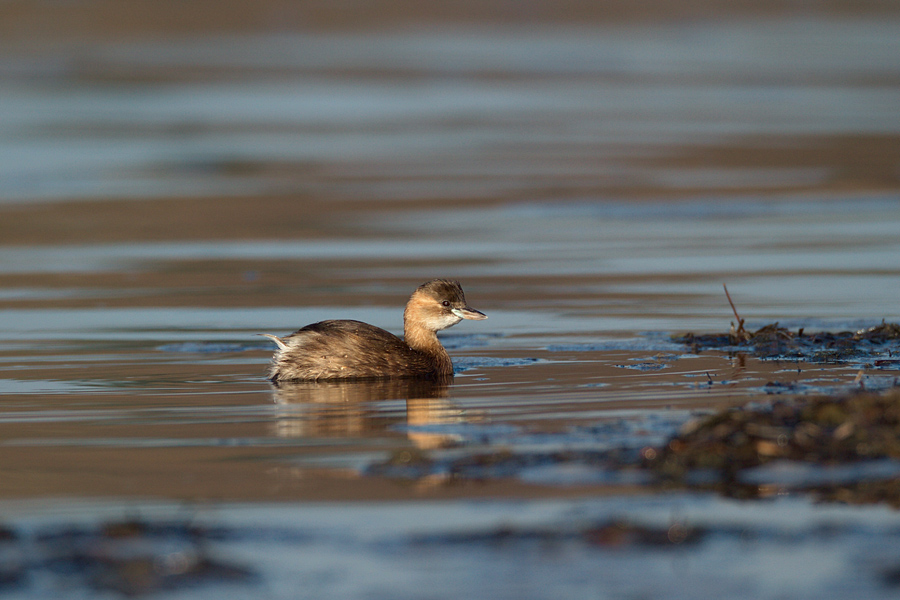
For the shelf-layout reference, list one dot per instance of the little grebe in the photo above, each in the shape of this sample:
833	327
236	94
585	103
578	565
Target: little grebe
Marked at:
353	349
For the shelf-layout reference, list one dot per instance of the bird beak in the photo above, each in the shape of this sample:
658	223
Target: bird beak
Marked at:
469	313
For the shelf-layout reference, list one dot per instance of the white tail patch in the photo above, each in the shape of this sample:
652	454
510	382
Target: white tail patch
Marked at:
276	339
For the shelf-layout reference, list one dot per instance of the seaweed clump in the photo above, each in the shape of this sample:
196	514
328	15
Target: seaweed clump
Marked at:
714	451
611	534
135	557
415	465
824	346
775	341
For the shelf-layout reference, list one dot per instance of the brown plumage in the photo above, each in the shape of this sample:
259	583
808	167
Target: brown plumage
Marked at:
353	349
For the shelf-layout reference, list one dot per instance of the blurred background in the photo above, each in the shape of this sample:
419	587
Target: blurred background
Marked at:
488	102
382	143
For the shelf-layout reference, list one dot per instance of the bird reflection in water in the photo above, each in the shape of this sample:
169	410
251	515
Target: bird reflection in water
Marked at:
354	408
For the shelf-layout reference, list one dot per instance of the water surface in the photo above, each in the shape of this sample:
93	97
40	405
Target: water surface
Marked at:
165	201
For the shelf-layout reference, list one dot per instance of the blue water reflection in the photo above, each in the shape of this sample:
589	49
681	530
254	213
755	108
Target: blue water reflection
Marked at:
474	103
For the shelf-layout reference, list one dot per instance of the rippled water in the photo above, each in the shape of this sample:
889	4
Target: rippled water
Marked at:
165	201
545	114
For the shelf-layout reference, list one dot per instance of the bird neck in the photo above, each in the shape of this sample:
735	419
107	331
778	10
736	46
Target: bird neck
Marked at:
426	341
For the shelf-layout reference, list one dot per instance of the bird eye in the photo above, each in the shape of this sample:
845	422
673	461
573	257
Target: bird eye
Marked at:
446	303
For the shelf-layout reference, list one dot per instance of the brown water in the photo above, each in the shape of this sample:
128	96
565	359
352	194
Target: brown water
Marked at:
164	200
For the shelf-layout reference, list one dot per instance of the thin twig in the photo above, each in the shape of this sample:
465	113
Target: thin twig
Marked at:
740	332
733	309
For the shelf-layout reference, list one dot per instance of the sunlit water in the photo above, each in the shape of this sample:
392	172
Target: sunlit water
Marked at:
535	168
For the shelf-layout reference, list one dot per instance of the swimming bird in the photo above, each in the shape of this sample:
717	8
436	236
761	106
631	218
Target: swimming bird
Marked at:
348	349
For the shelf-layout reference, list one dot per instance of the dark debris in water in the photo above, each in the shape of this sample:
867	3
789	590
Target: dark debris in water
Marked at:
611	448
727	452
12	566
714	451
129	558
413	464
881	343
613	534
